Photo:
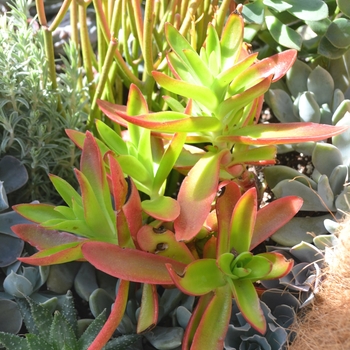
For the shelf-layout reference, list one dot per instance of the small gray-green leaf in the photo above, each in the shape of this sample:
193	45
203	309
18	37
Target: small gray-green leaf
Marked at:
281	33
315	9
281	105
254	12
338	33
338	178
344	6
325	192
309	109
319	27
279	5
326	157
327	49
342	141
17	285
297	77
321	83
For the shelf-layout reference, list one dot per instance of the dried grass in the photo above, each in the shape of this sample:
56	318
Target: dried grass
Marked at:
326	324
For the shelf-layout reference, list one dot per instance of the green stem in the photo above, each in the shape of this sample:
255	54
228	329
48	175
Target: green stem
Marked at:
95	112
221	15
86	53
147	38
60	15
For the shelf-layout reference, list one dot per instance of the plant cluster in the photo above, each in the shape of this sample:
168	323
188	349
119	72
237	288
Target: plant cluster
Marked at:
195	96
202	241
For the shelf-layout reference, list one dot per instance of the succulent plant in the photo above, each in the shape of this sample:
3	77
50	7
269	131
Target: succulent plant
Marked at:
304	279
315	27
241	335
59	331
312	95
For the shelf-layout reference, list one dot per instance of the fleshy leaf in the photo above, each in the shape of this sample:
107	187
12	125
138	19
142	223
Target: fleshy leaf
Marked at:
273	134
42	238
196	194
130	264
148	315
38	213
243	221
164	121
210	333
57	255
280	265
272	217
162	208
199	278
248	303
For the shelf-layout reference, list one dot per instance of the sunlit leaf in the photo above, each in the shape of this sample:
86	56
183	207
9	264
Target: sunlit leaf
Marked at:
199	278
162	208
56	255
272	217
42	238
243	221
196	194
283	34
38	212
130	264
213	326
269	134
248	303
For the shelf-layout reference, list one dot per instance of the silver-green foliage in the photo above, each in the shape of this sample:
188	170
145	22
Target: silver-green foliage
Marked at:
33	116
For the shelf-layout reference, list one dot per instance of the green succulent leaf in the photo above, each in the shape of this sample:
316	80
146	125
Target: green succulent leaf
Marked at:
344	7
319	76
196	195
13	341
254	12
315	9
309	109
279	6
243	221
213	45
66	191
212	328
98	218
57	255
168	160
199	93
338	33
148	316
327	151
42	238
61	333
281	33
38	213
248	302
130	264
231	41
268	222
269	134
111	138
199	277
327	49
280	266
162	208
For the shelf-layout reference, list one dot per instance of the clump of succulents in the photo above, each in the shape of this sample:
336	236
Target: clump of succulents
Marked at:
312	95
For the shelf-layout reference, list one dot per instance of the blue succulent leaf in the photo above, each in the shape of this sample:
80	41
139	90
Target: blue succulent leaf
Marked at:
241	336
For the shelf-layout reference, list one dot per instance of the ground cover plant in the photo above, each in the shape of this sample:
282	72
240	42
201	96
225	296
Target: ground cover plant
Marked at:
193	119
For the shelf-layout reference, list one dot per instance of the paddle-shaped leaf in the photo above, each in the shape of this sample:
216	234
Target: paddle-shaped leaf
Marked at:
196	195
130	264
243	221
